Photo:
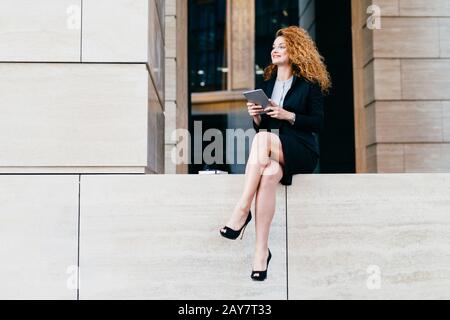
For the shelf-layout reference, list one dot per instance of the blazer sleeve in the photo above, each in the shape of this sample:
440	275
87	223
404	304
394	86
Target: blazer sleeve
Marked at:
314	120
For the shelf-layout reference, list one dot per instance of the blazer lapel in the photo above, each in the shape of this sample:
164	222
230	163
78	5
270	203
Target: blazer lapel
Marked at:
270	85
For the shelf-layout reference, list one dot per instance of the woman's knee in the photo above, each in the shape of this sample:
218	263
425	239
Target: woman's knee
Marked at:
271	174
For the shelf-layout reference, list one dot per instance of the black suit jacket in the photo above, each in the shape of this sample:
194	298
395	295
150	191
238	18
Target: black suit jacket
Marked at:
305	99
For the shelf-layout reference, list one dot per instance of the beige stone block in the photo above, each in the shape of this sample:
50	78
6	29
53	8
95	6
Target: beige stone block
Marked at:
369	83
367	45
171	37
371	125
444	36
390	158
38	236
46	30
427	157
406	37
424	8
382	80
371	158
408	121
385	158
160	142
171	79
170	167
73	115
139	241
347	234
388	8
446	120
170	114
170	7
387	79
115	30
424	79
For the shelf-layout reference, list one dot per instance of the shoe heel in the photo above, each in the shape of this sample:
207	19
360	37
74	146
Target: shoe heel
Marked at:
242	233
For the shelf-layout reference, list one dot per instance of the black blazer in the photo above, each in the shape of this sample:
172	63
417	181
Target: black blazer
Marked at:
305	99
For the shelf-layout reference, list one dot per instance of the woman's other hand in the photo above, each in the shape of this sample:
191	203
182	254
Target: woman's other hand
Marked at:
277	112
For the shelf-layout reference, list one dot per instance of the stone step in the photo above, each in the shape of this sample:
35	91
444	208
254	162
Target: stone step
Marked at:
136	236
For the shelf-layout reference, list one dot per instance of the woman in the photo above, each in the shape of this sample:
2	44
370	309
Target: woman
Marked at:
296	81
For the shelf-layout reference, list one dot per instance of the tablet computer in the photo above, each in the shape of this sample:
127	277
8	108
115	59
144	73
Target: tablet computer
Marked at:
257	97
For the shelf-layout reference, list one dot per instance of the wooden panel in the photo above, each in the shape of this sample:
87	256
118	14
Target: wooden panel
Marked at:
359	85
182	74
427	157
115	30
45	30
408	121
70	115
242	34
407	37
425	8
426	79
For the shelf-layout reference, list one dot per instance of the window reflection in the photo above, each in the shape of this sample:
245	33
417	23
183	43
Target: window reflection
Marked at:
207	45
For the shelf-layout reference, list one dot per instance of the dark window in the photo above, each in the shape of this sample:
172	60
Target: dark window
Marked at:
270	16
207	45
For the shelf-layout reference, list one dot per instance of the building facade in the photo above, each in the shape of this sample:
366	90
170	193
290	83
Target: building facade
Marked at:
82	86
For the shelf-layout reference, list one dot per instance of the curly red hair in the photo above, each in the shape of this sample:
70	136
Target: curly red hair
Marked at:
304	57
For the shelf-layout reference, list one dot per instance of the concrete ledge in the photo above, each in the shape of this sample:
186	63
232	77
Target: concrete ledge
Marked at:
365	236
38	236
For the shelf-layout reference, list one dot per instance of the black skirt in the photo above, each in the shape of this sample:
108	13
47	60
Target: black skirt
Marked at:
298	158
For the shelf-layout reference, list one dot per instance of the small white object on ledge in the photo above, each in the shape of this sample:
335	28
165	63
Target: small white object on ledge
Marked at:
212	172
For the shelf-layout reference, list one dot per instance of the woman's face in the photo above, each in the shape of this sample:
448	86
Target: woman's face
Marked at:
279	52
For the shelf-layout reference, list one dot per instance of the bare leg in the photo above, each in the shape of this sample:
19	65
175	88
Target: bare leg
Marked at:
258	159
265	210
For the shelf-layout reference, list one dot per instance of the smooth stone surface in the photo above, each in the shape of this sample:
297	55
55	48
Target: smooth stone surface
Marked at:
43	31
38	236
74	115
115	30
340	226
157	237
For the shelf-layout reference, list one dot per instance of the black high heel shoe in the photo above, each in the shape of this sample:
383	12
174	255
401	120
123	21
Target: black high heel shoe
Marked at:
261	275
233	234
